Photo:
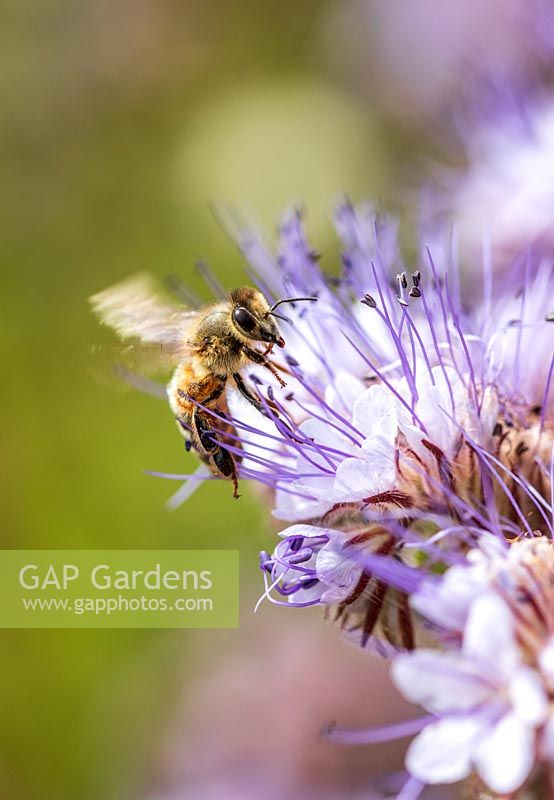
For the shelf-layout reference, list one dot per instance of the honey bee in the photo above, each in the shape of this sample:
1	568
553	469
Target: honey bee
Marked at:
208	349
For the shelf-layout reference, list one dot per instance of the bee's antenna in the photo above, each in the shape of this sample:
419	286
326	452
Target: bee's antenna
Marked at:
291	300
279	316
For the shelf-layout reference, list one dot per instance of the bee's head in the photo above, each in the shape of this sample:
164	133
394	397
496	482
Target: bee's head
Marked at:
251	317
254	318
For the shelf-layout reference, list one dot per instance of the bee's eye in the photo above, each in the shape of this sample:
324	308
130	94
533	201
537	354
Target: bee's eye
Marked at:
244	319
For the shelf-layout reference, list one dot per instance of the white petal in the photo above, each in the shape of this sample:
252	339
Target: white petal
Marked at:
307	531
414	437
448	601
358	478
489	635
528	696
441	406
488	416
440	681
337	570
323	433
381	452
319	486
306	595
492	552
442	753
506	756
343	393
375	413
448	385
290	507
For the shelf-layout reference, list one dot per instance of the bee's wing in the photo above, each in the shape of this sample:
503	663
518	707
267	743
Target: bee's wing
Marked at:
155	328
135	309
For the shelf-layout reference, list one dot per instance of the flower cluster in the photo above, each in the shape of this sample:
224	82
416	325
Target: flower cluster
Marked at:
410	423
506	193
490	690
414	440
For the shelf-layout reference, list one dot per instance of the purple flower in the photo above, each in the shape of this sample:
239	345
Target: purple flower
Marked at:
412	426
401	385
506	193
411	457
487	703
325	566
522	573
416	57
488	685
414	416
490	690
309	566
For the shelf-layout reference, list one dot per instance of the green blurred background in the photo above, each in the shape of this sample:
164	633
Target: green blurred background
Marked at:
122	122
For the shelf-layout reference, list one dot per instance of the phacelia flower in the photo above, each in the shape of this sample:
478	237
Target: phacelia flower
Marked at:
411	424
506	193
410	459
414	58
487	702
489	689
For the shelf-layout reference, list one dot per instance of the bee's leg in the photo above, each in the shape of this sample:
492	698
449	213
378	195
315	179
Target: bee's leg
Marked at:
259	358
248	394
253	400
225	465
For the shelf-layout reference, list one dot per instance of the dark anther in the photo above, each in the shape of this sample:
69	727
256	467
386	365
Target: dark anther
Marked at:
266	562
270	393
536	410
416	278
550	317
402	280
292	362
289	396
521	449
296	544
497	430
415	292
368	300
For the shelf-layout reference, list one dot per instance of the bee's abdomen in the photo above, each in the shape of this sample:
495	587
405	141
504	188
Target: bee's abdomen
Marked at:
187	379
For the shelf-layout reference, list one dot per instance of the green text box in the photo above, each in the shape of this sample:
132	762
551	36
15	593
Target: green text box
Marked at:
119	588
